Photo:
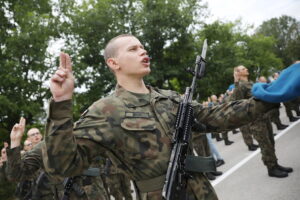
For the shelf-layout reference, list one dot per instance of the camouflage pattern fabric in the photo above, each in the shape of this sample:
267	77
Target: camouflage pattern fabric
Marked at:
25	169
30	166
247	135
119	186
2	172
134	131
290	106
258	128
275	117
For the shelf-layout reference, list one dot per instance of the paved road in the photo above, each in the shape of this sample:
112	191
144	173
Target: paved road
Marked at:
245	177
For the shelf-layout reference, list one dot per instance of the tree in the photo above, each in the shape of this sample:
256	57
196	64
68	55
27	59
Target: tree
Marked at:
286	32
164	27
25	30
230	46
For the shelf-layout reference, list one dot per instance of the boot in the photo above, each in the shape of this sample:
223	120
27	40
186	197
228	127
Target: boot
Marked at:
275	172
252	147
227	141
293	119
210	176
284	169
218	138
220	162
216	173
281	126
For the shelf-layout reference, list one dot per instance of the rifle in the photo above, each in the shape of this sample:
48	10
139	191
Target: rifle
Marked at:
177	175
69	185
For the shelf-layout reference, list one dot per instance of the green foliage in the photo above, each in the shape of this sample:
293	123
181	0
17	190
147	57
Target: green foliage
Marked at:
169	41
25	29
229	46
286	32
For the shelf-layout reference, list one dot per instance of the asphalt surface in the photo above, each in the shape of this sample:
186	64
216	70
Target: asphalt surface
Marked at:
246	178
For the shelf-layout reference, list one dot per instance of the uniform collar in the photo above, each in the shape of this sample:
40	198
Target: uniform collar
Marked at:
132	99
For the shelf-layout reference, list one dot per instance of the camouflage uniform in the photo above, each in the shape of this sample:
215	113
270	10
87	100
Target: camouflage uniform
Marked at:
274	117
291	105
118	184
134	131
259	128
243	93
2	172
50	187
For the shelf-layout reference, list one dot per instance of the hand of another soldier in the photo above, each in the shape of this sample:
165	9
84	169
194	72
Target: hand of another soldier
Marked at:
236	77
62	81
17	133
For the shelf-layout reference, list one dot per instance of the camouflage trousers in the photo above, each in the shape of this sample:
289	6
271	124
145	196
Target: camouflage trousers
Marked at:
247	135
263	133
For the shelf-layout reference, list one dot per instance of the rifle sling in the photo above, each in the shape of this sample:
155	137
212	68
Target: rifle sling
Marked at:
200	164
152	184
193	164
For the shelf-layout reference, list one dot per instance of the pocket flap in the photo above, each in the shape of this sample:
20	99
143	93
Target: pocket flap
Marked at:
138	124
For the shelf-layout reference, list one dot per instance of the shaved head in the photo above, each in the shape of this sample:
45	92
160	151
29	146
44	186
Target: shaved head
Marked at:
111	49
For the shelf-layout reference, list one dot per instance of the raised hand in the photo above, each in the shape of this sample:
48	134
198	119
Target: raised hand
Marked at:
62	81
236	77
17	133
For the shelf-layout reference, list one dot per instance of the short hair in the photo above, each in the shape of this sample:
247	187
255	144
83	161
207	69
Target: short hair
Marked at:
235	69
110	49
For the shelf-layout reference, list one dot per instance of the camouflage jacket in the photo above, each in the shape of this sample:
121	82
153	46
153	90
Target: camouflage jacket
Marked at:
134	131
2	172
30	167
242	90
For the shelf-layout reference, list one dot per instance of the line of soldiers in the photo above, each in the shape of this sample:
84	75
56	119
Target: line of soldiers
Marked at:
26	167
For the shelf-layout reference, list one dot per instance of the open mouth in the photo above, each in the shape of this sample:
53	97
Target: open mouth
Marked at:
146	60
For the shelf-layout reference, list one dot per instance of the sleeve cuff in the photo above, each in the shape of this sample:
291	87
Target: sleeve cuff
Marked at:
13	152
60	110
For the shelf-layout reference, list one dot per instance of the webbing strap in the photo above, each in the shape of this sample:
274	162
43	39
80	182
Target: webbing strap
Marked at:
91	172
200	164
151	185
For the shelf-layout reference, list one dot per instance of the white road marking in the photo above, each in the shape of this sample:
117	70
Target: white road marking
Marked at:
245	160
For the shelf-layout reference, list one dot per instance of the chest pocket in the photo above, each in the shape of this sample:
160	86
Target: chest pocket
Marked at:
138	121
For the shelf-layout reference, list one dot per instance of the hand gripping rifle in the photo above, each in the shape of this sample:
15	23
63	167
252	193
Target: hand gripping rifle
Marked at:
177	175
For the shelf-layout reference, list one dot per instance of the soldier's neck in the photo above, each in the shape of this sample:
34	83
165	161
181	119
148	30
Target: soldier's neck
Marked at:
134	85
244	78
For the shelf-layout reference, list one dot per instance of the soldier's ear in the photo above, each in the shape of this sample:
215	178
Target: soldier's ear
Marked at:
112	64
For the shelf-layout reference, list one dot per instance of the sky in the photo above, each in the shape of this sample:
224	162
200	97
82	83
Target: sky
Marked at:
252	12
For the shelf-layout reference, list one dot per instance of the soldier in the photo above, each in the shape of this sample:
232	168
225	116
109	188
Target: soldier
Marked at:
3	159
133	126
274	114
260	128
30	168
289	105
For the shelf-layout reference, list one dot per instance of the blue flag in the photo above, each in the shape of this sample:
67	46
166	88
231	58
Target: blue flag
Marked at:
285	88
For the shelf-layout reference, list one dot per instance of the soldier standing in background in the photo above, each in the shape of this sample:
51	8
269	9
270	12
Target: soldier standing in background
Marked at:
260	127
274	113
30	169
